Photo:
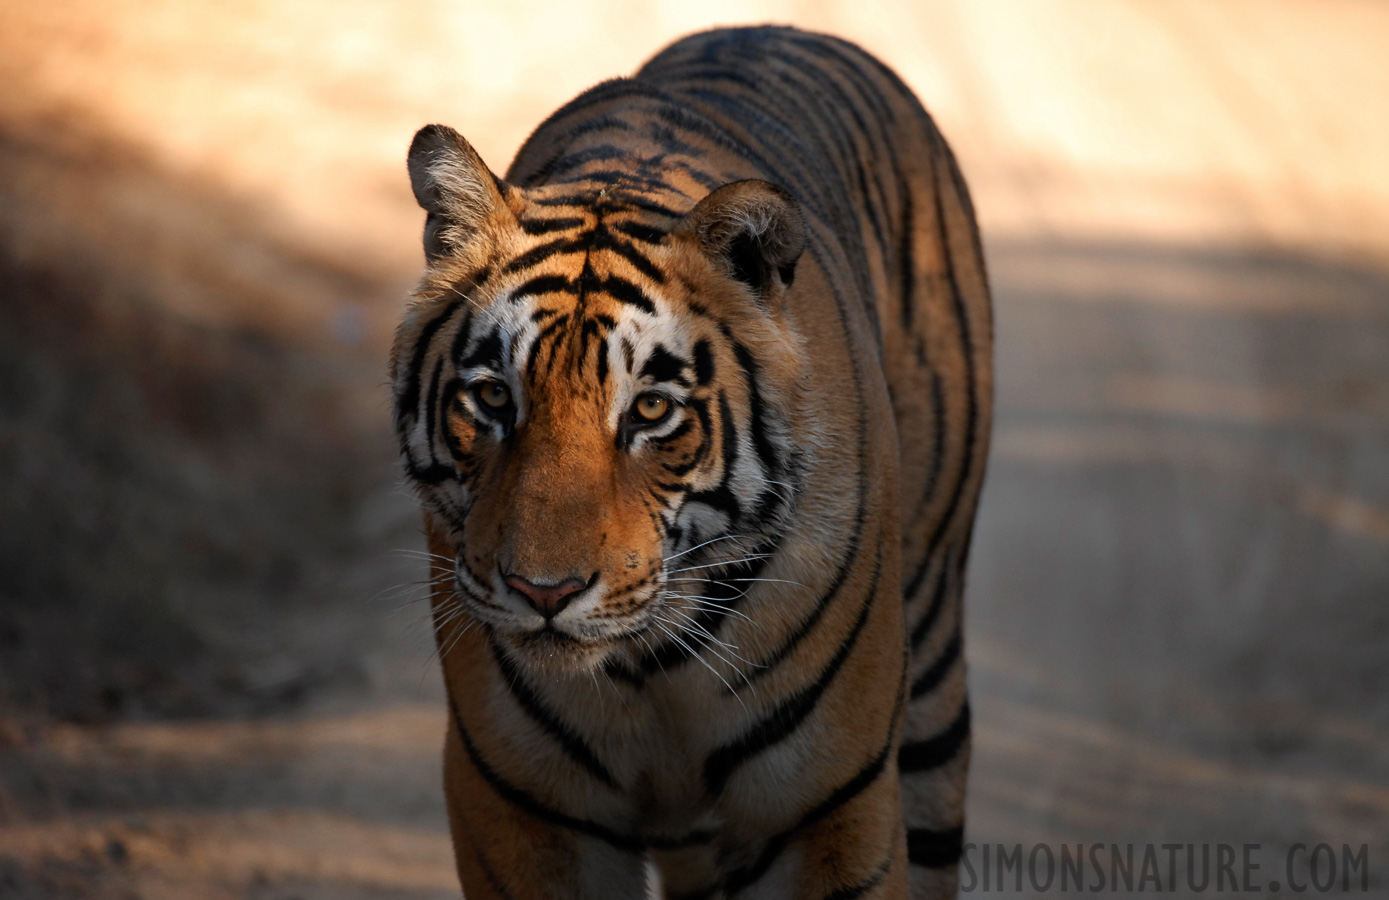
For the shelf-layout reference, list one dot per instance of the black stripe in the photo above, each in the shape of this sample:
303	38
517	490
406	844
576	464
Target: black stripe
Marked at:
408	401
687	118
488	872
675	434
725	592
662	365
932	677
701	409
788	715
935	849
851	68
695	838
637	231
699	176
541	172
431	408
537	255
621	180
703	894
787	103
671	143
934	752
643	204
785	649
618	672
574	746
799	180
603	239
549	130
742	878
487	352
432	475
971	406
854	891
722	497
538	342
533	807
535	227
928	485
756	410
704	362
957	178
932	613
624	291
729	434
544	284
600	153
602	358
455	402
461	337
580	197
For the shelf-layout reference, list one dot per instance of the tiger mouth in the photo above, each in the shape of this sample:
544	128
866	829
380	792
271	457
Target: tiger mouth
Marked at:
559	652
549	637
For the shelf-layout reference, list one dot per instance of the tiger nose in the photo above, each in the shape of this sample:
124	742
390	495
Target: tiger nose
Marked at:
546	599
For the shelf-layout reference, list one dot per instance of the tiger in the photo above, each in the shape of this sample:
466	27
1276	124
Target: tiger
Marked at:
696	401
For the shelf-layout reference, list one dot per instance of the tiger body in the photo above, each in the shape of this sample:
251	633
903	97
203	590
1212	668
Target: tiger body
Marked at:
699	458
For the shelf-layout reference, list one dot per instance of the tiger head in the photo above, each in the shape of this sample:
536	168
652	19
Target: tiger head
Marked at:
593	398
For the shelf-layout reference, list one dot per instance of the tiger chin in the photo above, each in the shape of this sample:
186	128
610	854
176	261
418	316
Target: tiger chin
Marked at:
696	400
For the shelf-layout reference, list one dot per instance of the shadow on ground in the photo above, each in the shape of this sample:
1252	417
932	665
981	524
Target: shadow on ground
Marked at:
183	455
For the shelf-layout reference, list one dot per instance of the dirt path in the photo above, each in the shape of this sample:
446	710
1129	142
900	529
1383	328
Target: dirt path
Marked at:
1176	626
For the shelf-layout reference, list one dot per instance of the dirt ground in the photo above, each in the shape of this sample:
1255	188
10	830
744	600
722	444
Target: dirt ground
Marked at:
215	667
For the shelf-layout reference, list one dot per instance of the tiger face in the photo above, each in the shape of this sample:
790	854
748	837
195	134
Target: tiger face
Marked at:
593	401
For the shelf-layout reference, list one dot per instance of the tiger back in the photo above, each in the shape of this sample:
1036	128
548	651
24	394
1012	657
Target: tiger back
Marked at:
697	403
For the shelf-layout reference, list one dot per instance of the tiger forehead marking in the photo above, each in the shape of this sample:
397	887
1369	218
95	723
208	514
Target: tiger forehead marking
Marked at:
697	403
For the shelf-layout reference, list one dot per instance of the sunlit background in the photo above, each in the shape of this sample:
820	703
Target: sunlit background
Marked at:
215	676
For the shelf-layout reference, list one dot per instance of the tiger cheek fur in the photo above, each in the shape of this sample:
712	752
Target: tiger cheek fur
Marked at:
697	403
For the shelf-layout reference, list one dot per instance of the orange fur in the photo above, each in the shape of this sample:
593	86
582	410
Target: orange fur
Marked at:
748	669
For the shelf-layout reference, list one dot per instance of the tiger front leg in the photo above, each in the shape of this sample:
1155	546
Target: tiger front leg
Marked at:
852	845
505	852
511	841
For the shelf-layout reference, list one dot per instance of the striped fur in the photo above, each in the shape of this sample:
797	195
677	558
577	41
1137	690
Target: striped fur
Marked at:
757	681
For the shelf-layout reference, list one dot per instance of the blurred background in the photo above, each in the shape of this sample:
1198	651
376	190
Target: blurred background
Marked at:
215	673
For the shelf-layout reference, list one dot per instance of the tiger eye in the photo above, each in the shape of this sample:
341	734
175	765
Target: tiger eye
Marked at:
494	395
652	407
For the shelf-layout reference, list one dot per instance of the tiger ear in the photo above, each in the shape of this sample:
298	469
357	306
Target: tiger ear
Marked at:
456	189
755	230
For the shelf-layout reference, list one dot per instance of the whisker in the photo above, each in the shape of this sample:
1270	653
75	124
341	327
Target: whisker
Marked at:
699	629
420	554
721	563
651	651
726	537
714	607
704	662
729	584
